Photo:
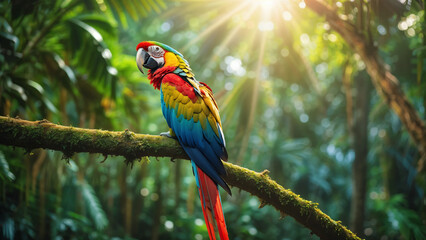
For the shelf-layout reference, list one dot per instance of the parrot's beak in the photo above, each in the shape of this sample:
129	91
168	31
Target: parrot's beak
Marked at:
141	57
144	60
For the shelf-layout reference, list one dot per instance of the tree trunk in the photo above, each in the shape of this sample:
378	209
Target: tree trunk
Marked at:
386	84
360	143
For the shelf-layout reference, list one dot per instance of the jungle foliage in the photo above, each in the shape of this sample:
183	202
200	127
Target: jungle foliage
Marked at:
289	89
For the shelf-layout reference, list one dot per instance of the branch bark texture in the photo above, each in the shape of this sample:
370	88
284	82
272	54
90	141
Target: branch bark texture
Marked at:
69	140
386	84
43	134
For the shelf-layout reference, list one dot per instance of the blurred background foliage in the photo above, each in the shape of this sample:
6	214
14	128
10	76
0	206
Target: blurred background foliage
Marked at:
287	88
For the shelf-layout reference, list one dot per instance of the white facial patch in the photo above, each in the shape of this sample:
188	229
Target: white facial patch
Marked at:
157	53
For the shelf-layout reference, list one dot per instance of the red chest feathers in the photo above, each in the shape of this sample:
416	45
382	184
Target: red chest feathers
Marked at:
181	86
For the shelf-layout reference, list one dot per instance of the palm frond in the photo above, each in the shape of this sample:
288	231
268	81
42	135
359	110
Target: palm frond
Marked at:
4	170
8	228
35	91
135	10
92	54
94	207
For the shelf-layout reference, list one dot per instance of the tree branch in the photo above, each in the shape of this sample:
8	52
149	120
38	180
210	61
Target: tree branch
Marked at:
69	140
386	84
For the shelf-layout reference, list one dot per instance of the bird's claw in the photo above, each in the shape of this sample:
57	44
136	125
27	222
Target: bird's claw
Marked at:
167	134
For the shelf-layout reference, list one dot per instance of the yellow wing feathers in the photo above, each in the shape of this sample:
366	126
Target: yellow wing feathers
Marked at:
211	104
203	110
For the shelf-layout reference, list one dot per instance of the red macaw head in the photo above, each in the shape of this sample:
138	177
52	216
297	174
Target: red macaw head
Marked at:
154	55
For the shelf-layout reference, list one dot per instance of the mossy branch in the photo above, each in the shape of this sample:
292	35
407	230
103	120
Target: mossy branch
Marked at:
69	140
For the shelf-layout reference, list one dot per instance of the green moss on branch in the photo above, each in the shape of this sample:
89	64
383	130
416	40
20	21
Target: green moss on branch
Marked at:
69	140
286	202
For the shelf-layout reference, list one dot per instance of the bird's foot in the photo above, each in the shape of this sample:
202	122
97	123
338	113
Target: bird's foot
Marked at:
167	134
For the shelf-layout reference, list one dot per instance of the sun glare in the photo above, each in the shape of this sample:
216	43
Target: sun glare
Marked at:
265	15
270	11
255	21
265	5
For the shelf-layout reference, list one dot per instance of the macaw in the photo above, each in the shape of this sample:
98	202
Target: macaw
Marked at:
193	118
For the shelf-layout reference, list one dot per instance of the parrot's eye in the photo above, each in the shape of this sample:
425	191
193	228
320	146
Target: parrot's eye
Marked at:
156	51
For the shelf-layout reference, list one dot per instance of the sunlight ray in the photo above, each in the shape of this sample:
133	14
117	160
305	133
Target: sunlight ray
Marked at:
254	98
222	45
194	6
212	27
250	47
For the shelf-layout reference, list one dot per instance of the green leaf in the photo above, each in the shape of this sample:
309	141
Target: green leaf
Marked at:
8	228
92	56
134	9
36	91
95	209
117	11
16	90
99	22
91	30
10	40
4	169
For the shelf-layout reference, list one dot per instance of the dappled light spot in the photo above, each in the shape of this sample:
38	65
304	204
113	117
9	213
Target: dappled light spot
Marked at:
246	218
155	197
411	32
285	52
381	30
331	149
294	87
112	70
325	123
304	118
332	37
199	222
321	68
339	156
166	26
382	133
368	231
234	66
326	26
253	202
152	127
402	25
168	225
304	39
266	26
252	231
287	16
106	53
193	49
144	192
229	86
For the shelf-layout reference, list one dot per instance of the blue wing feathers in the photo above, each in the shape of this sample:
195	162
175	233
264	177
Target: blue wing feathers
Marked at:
204	164
203	146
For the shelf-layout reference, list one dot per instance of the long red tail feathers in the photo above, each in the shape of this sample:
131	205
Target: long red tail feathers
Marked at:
212	206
